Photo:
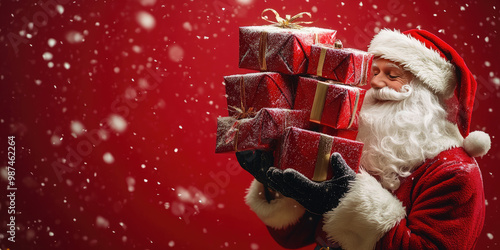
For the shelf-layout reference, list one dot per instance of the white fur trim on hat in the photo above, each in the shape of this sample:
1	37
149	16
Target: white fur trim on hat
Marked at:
477	143
426	64
279	213
364	214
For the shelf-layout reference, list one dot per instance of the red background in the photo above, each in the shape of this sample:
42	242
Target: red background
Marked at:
166	187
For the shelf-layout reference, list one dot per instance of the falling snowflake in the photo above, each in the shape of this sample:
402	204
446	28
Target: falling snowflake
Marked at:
74	37
187	26
254	246
490	236
51	42
56	140
148	2
101	222
77	128
47	56
244	2
146	20
117	123
175	53
130	184
108	158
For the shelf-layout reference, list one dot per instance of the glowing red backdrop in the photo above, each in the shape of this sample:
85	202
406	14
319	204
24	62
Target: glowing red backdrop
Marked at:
113	105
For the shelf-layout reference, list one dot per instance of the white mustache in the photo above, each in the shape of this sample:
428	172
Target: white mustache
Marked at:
389	94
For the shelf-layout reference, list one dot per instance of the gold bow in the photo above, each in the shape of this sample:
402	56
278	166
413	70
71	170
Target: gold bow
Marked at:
243	112
288	21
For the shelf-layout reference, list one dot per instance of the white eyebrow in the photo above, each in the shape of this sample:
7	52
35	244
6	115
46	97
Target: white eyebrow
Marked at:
393	66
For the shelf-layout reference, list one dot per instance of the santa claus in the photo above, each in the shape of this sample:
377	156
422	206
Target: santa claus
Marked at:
419	186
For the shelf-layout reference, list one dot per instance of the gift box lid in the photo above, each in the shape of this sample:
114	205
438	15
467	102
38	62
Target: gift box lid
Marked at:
274	29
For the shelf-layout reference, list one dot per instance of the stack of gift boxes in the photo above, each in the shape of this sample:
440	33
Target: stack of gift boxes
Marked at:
304	102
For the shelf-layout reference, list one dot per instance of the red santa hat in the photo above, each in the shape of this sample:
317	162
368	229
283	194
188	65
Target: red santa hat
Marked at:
441	69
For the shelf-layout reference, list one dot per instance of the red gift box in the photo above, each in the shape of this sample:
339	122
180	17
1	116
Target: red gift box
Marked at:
259	90
331	103
285	50
348	66
259	132
309	153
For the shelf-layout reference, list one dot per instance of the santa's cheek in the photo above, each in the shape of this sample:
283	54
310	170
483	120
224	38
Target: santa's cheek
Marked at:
395	84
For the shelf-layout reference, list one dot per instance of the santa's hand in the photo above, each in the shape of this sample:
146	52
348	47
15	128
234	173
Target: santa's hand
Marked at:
256	163
317	197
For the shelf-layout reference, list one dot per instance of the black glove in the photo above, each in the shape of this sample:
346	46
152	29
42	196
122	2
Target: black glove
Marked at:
256	163
317	197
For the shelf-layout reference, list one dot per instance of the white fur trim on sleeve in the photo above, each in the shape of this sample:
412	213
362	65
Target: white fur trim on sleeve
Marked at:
427	64
364	214
279	213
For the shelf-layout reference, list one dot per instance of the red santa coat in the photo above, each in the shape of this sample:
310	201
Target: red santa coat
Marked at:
439	206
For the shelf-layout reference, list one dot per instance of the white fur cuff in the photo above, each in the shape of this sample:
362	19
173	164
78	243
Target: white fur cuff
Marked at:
279	213
364	214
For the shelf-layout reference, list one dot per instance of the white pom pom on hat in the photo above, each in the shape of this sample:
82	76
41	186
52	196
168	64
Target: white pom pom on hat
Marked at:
477	143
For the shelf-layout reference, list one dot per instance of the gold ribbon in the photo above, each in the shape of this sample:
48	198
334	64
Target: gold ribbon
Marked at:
288	21
323	157
321	62
355	108
262	50
243	112
319	101
237	135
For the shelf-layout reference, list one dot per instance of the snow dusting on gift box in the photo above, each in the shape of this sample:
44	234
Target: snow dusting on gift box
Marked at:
331	103
309	152
271	48
260	132
348	66
259	90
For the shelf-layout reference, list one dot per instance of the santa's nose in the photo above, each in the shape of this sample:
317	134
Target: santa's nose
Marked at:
377	82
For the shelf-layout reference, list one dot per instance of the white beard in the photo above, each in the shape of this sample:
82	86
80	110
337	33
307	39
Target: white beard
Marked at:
400	135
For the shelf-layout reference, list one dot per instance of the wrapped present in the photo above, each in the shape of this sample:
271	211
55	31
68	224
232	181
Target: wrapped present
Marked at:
259	132
283	47
309	153
254	91
331	103
349	66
